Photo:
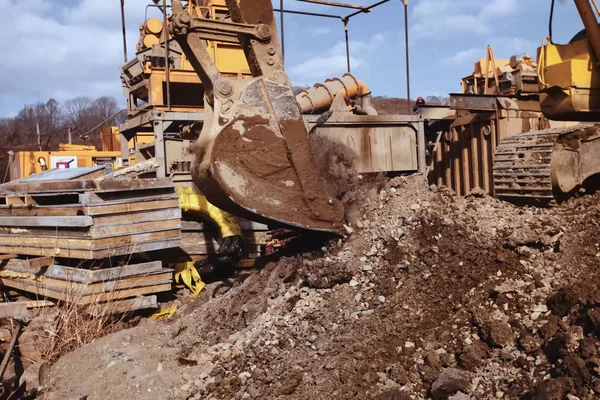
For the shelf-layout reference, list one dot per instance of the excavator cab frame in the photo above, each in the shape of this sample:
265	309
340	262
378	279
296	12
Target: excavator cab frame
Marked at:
569	74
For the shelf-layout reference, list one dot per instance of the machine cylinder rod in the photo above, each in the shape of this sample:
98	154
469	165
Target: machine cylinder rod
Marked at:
167	64
124	30
405	2
591	25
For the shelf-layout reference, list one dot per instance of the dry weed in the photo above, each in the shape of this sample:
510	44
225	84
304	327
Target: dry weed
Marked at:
76	325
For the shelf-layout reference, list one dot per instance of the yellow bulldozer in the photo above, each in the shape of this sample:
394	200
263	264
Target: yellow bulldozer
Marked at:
543	167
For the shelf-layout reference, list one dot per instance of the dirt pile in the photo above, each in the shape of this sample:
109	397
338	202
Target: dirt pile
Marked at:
430	296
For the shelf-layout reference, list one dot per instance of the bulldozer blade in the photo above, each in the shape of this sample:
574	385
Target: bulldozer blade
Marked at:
255	159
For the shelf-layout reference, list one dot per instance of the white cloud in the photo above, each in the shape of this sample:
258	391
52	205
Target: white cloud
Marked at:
63	52
503	48
334	62
468	56
444	18
498	8
319	31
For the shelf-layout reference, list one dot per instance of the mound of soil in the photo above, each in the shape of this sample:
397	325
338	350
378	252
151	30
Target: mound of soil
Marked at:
430	296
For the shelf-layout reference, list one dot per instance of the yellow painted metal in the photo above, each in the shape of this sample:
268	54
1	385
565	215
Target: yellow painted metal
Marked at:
569	81
164	313
483	71
26	163
150	40
229	59
321	96
187	274
154	25
195	203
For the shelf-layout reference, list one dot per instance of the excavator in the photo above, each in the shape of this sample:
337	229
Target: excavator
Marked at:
253	158
548	166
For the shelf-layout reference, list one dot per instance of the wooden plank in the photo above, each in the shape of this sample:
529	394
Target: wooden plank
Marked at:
7	256
56	186
30	264
81	221
124	306
140	204
47	186
134	184
29	303
126	196
49	211
46	232
137	217
83	289
42	199
102	232
15	200
149	204
91	254
56	293
97	253
86	243
86	198
87	276
16	311
135	248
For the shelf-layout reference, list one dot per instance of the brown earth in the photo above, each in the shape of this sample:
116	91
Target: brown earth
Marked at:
430	296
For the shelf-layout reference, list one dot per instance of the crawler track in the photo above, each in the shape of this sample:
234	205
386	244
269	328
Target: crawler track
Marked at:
522	170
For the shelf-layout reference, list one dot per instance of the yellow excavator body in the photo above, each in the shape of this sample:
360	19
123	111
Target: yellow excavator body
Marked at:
569	81
545	166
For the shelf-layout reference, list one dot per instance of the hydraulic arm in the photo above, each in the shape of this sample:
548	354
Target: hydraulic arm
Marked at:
253	157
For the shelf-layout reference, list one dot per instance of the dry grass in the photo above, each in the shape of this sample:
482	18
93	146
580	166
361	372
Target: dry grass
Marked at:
76	325
72	322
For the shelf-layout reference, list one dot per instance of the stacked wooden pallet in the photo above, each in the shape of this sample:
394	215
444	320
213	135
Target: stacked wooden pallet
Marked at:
51	221
88	218
46	279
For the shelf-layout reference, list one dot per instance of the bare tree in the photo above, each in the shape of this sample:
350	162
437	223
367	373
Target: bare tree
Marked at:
82	114
437	100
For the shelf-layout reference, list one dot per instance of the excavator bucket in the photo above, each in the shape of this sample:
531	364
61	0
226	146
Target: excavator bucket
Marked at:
253	157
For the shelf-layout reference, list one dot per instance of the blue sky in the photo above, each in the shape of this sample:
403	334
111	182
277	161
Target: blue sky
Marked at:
68	48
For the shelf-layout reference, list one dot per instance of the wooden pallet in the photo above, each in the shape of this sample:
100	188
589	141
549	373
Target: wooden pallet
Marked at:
88	219
84	286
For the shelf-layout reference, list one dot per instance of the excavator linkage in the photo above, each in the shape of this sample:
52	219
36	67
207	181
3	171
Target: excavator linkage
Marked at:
253	157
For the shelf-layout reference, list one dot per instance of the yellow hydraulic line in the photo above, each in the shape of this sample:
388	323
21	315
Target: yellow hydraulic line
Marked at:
191	202
542	62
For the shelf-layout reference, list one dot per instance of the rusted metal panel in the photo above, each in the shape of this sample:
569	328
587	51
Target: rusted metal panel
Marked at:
381	143
464	159
491	103
377	149
435	111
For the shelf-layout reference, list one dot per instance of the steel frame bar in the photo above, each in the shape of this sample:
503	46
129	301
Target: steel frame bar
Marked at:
333	4
345	19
